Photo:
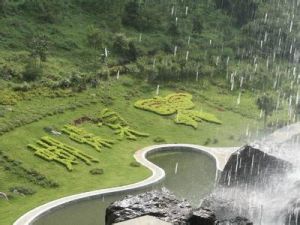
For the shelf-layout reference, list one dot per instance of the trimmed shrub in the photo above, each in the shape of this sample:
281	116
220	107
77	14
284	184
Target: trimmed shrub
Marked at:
96	171
135	164
159	140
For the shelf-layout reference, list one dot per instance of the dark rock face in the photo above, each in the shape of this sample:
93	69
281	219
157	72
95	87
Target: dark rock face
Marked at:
160	204
251	166
202	216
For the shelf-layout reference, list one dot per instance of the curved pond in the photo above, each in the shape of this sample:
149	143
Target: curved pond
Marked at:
189	174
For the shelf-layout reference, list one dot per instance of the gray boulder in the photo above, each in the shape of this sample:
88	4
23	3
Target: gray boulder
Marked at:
160	204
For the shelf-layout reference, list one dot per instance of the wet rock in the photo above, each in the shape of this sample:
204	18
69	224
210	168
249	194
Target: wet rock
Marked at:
202	216
292	213
251	166
235	221
224	209
166	207
160	204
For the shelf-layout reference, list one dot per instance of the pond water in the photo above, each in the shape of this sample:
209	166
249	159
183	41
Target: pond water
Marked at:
189	174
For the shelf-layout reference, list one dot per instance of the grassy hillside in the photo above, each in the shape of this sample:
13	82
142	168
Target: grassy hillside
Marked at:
64	60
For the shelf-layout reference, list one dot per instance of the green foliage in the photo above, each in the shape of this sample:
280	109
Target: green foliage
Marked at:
192	117
135	164
49	11
9	97
166	105
96	171
38	47
127	132
116	122
159	140
243	11
125	48
22	190
109	117
82	136
33	71
3	4
16	167
52	150
267	104
141	16
94	37
179	103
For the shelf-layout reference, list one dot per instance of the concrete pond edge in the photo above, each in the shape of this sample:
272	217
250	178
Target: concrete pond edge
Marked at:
220	155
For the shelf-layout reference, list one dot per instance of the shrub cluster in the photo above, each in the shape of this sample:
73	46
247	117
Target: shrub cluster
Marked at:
31	175
22	190
96	171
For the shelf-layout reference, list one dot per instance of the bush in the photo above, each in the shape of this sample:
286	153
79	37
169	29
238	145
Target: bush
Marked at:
207	142
159	140
135	164
94	37
22	190
32	71
96	171
215	141
49	11
39	47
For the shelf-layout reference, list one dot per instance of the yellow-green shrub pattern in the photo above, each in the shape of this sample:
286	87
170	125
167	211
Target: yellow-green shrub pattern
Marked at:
82	136
166	105
121	127
192	117
108	117
180	103
52	150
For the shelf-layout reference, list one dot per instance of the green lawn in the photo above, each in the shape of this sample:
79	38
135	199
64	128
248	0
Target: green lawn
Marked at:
115	161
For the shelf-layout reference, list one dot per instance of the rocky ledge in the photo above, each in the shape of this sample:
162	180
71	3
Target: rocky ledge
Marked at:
163	205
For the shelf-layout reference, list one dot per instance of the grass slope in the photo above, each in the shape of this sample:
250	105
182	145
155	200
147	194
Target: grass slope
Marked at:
115	161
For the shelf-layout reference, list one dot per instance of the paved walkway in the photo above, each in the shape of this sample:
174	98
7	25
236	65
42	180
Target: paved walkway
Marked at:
144	220
220	155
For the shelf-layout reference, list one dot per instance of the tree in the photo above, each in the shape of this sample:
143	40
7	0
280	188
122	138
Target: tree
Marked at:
242	10
49	11
125	48
267	104
94	37
197	24
39	47
2	6
131	14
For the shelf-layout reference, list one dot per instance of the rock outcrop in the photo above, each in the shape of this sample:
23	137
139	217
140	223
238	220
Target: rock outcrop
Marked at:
251	166
160	204
165	206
